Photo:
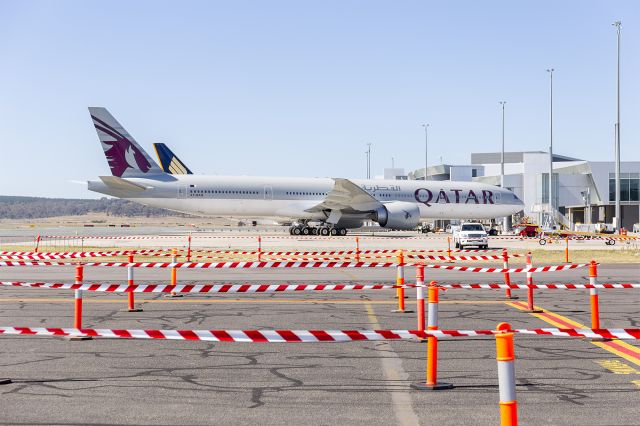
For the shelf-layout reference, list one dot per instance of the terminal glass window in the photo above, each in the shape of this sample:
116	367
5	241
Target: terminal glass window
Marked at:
544	189
629	187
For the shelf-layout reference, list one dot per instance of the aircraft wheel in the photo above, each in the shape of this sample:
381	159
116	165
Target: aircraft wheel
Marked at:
291	230
334	232
457	245
314	231
306	230
324	232
296	231
343	232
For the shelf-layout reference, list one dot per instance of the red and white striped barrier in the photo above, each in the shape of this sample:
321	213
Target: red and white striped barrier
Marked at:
539	286
510	270
198	288
312	336
268	288
212	265
79	254
481	257
251	236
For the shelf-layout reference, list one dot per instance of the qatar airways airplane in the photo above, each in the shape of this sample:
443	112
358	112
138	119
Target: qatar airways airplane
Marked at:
323	206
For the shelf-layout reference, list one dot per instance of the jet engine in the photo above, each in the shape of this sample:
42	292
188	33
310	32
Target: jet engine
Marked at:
398	215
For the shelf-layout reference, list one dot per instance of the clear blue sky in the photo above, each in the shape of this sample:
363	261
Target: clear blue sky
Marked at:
298	88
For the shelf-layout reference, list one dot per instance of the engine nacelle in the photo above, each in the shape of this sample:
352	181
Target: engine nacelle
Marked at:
398	215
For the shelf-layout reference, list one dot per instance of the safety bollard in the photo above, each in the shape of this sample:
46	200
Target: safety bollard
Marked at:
357	249
566	250
593	295
432	346
77	317
174	273
505	356
507	277
189	249
530	306
77	302
400	285
420	295
131	304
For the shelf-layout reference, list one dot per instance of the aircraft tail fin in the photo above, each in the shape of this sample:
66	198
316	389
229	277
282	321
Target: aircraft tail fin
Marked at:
170	162
125	157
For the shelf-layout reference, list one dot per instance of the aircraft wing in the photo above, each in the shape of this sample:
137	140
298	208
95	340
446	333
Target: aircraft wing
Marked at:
347	197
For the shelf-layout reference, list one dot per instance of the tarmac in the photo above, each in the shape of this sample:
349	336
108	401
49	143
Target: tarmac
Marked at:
560	381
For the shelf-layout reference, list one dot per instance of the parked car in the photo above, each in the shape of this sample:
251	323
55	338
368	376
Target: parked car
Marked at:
471	234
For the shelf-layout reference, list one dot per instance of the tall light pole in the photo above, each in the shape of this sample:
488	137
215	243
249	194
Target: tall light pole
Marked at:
618	25
368	152
502	154
551	212
504	221
426	149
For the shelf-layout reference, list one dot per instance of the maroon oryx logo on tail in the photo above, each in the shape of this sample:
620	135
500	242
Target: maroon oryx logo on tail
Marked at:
121	153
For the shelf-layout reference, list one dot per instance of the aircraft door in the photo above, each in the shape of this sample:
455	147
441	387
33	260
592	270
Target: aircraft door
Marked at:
182	192
268	193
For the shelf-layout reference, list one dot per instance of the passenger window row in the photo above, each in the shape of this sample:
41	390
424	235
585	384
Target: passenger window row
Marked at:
304	193
216	191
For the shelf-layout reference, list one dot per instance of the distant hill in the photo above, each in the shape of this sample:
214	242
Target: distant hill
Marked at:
35	207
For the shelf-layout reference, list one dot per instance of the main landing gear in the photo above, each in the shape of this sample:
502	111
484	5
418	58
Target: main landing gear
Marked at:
317	230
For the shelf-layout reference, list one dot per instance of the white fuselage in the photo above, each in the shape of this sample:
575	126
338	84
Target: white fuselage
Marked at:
281	197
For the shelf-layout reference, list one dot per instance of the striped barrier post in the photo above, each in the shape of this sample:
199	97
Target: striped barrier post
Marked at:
131	306
77	302
37	243
507	277
420	295
505	356
259	248
174	273
530	305
432	346
189	249
77	317
566	250
449	246
593	295
400	285
357	249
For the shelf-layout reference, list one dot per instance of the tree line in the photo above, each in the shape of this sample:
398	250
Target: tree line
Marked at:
13	207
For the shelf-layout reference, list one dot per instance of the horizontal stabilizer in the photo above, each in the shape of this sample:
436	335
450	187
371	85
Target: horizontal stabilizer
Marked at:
122	184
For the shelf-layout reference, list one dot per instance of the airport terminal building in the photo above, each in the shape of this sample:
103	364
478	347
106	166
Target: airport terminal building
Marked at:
584	191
